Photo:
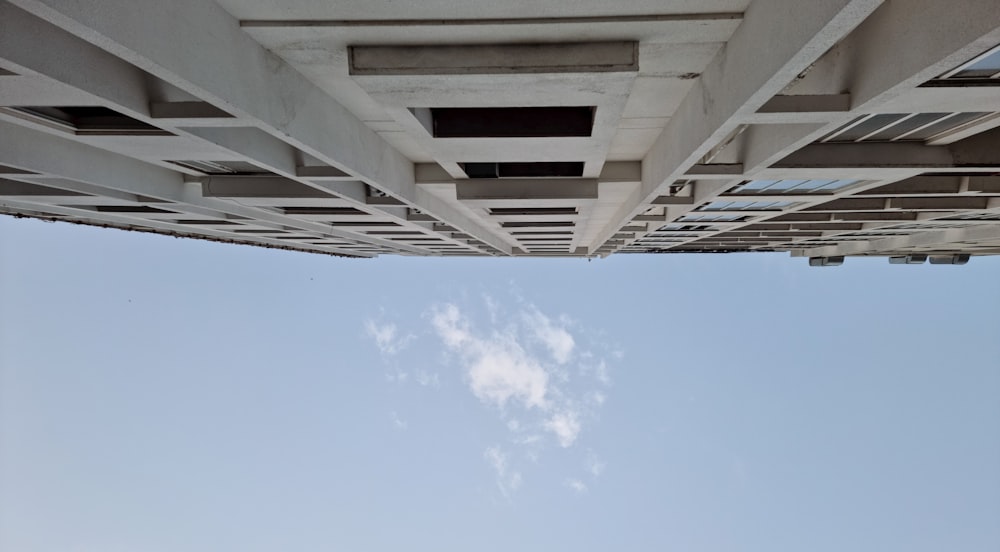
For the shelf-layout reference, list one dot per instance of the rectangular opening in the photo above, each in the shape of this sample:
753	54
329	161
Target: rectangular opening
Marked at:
893	127
91	121
547	224
546	169
533	211
196	222
323	211
363	223
130	209
221	167
511	122
768	187
983	70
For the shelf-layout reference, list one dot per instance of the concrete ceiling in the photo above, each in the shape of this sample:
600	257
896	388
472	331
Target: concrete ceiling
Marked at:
697	104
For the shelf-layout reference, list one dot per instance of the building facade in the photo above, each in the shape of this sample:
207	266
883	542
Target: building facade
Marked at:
824	128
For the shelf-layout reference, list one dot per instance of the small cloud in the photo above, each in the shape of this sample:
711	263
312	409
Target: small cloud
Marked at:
593	464
566	425
556	339
398	423
514	482
387	337
497	459
397	376
597	398
601	373
498	368
530	368
451	326
492	307
427	379
576	485
527	439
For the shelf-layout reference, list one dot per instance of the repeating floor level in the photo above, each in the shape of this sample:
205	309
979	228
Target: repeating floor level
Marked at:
824	128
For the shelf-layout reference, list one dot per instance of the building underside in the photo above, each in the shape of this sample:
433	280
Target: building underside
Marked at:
824	128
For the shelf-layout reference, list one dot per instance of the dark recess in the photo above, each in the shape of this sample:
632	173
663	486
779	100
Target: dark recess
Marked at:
94	120
533	211
547	169
511	122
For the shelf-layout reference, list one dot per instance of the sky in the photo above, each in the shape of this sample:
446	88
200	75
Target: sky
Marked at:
163	394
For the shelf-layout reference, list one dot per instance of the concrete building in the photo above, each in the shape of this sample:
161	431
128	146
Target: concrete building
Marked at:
825	128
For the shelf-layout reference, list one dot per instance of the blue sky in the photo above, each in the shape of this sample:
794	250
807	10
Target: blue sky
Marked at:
162	394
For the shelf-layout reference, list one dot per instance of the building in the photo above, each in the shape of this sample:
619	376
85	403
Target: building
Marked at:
825	128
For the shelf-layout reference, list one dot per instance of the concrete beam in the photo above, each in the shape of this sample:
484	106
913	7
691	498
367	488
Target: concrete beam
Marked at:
928	239
901	46
166	227
897	155
753	68
808	103
123	87
495	59
53	155
211	58
491	21
526	189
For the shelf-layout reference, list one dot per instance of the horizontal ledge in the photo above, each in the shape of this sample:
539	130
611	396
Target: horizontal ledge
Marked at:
817	103
721	170
674	200
258	186
312	23
526	189
321	173
186	110
479	59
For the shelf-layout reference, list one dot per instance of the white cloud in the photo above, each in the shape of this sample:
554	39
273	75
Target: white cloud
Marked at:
387	337
565	424
398	423
498	368
397	376
597	398
544	384
578	486
492	307
594	465
527	439
496	458
506	482
427	379
451	326
556	339
601	373
514	481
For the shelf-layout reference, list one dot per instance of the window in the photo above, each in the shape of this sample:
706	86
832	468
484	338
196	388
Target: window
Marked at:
983	70
893	127
791	186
